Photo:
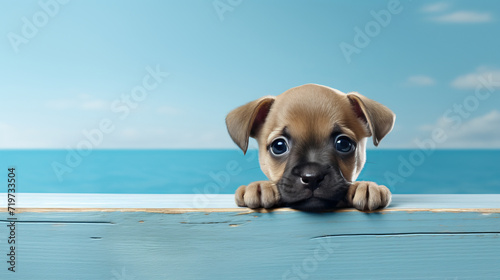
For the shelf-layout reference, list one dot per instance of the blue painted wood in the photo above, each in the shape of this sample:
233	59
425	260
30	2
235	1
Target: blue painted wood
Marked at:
233	244
225	201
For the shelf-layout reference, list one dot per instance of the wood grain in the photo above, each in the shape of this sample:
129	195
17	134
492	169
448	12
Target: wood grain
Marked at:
424	243
225	202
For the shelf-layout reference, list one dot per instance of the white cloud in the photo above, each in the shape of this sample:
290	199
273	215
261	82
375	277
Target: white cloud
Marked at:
12	137
60	104
7	132
82	102
168	110
93	105
482	75
160	138
440	12
464	17
130	133
420	80
476	133
436	7
15	137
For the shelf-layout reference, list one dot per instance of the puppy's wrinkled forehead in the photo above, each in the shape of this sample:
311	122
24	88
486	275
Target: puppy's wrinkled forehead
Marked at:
310	114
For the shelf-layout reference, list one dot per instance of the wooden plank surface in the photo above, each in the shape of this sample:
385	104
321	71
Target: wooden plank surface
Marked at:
239	244
226	201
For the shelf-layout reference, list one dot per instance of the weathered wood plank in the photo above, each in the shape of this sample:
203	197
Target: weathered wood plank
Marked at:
226	201
240	244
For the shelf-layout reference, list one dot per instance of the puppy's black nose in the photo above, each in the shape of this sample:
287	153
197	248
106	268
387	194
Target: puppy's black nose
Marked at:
310	174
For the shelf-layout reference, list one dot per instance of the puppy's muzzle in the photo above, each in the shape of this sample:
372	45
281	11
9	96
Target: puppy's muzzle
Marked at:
312	186
310	175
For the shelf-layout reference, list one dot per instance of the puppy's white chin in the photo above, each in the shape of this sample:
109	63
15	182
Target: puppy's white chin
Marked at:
313	204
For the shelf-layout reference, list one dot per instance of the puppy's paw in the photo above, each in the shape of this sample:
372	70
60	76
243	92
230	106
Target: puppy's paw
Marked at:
368	196
257	194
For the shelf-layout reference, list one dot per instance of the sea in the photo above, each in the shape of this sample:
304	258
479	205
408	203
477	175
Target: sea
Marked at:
222	171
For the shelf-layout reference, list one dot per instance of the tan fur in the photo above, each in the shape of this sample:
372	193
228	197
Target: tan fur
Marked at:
241	120
310	113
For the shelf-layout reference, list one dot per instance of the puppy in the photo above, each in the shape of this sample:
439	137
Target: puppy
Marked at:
312	147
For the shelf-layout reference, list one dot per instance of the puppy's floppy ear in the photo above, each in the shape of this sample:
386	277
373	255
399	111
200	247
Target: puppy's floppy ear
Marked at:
379	118
245	121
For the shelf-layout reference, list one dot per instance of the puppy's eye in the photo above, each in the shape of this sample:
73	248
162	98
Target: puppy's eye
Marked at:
343	144
279	147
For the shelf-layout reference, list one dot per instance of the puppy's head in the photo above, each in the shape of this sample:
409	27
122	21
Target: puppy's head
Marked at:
311	140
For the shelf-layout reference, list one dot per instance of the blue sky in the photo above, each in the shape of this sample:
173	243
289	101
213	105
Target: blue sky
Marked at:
65	67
